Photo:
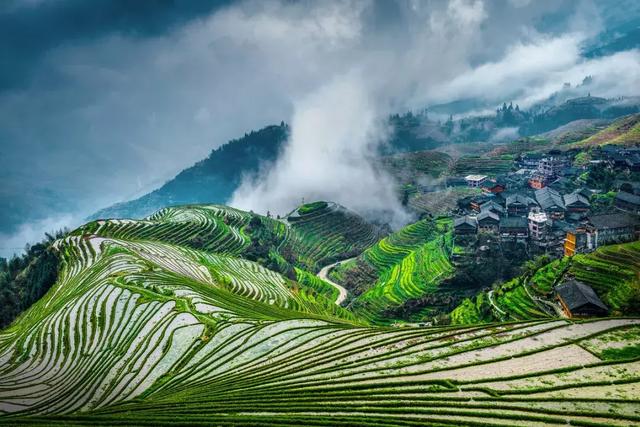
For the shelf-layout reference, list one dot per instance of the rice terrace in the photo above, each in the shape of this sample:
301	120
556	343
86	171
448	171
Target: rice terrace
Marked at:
141	326
320	213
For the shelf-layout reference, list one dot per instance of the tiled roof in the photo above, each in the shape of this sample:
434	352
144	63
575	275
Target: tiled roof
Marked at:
491	205
465	220
576	196
513	222
549	198
487	214
576	294
520	198
618	220
628	197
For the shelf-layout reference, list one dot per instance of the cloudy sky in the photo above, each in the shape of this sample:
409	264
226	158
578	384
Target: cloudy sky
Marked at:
103	101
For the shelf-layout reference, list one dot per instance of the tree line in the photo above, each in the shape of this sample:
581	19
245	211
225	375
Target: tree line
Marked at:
25	279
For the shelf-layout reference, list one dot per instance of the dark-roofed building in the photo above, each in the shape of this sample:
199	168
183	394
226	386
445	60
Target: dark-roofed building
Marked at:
492	206
465	225
494	187
519	204
531	160
514	228
551	202
563	185
477	201
633	163
488	221
580	300
613	228
576	202
628	202
551	166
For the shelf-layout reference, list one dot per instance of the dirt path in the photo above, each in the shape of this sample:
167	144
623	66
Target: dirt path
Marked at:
498	309
323	274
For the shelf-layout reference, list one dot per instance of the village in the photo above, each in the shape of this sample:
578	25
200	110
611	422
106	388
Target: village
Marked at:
557	203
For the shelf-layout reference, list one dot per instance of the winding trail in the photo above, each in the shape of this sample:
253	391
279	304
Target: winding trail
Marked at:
323	274
490	296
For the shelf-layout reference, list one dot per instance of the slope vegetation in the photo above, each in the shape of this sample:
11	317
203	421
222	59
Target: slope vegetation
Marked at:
211	180
612	271
326	232
405	265
308	241
142	330
624	131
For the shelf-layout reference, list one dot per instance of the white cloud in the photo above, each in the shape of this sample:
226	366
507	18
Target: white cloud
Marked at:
133	111
33	232
329	156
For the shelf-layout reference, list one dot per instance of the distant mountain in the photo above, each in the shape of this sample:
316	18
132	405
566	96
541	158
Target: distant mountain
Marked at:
587	107
617	38
212	180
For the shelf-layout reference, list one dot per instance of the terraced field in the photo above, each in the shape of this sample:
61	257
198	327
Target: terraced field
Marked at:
145	332
326	232
482	165
312	240
442	202
613	272
405	265
624	131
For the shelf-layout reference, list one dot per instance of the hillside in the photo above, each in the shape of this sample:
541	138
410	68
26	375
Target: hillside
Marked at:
212	180
143	329
327	232
612	271
407	265
308	241
624	131
587	107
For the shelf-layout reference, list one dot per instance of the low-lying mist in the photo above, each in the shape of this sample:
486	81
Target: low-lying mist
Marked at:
335	134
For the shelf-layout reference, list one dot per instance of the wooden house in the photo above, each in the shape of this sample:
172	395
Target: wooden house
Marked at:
580	300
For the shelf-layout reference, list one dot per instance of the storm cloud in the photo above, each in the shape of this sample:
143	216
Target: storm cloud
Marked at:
103	101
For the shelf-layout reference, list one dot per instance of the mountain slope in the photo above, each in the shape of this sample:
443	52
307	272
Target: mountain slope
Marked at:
407	265
212	180
624	131
612	271
144	330
308	241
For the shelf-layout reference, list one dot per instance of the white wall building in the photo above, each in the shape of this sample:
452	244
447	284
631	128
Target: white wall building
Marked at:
538	222
475	181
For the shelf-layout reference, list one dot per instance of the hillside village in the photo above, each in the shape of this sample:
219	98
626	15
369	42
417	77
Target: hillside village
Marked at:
556	203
